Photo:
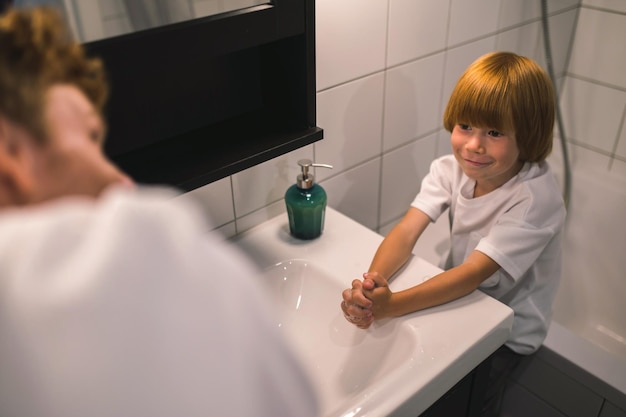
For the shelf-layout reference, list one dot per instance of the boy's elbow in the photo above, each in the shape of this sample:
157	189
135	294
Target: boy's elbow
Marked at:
479	268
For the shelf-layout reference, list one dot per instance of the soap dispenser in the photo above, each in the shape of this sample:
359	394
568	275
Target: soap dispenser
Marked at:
306	203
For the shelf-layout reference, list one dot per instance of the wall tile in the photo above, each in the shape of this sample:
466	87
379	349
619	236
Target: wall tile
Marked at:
618	168
116	26
226	231
267	183
416	28
444	146
528	40
600	60
458	59
402	174
562	29
350	39
351	116
581	160
111	7
592	113
620	148
207	7
470	20
558	5
412	100
515	12
261	215
216	199
524	40
615	5
355	193
86	19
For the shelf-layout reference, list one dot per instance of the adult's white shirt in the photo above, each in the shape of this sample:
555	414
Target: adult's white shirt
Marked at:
125	306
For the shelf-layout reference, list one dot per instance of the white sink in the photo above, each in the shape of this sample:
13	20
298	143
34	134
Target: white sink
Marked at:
398	366
308	306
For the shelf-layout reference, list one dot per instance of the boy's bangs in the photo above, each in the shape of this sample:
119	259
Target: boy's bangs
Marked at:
483	106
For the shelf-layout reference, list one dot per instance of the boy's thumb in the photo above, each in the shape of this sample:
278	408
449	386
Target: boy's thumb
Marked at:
372	280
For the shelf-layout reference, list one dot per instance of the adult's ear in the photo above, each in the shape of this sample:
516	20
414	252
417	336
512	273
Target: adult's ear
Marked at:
16	182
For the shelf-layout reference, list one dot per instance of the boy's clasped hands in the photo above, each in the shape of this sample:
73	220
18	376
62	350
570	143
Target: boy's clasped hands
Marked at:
367	300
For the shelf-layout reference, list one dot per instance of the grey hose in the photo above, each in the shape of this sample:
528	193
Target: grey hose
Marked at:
567	176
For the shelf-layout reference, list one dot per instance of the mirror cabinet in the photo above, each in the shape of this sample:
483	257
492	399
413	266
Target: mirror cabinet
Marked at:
195	101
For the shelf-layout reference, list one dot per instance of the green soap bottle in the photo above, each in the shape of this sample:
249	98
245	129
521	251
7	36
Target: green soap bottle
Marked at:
306	203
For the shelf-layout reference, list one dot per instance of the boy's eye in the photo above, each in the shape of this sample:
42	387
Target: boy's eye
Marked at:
464	126
495	133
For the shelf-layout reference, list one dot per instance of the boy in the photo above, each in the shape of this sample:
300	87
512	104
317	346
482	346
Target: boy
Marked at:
506	213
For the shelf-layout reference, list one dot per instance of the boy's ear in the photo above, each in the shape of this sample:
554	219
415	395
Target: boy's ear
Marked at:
15	180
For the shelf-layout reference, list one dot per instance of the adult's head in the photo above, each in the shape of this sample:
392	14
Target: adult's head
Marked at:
51	102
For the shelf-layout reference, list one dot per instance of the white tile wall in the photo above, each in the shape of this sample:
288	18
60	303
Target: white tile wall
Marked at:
355	192
107	18
471	20
614	5
385	69
403	171
416	28
620	147
351	39
457	60
383	81
216	200
352	116
589	123
514	12
413	100
602	61
266	183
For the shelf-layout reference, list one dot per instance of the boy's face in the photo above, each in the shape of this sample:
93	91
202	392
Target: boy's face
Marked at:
71	161
489	157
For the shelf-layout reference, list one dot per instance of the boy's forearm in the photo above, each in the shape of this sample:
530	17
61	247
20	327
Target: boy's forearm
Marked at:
444	287
392	253
440	289
396	248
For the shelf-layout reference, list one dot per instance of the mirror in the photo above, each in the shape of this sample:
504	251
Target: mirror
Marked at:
98	19
196	101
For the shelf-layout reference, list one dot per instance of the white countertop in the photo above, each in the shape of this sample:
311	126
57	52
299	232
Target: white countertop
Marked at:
397	367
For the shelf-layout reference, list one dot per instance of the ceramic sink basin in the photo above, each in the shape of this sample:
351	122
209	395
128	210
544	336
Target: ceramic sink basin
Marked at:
398	366
307	301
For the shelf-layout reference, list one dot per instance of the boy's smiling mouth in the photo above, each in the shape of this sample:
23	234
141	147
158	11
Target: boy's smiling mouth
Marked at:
476	164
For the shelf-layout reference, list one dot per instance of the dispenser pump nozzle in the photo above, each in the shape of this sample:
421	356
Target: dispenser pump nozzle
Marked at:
305	179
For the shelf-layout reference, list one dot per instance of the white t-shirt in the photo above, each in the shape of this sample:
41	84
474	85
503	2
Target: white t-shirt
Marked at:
519	226
124	306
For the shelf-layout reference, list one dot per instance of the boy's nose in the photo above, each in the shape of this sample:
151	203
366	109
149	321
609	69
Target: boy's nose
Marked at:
475	143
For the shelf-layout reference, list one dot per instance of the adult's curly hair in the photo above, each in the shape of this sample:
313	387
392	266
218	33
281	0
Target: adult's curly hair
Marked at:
37	50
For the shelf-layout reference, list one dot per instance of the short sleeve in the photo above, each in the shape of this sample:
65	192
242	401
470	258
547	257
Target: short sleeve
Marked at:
435	194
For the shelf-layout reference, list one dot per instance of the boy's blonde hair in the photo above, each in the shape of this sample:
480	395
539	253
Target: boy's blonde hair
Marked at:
37	51
510	93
